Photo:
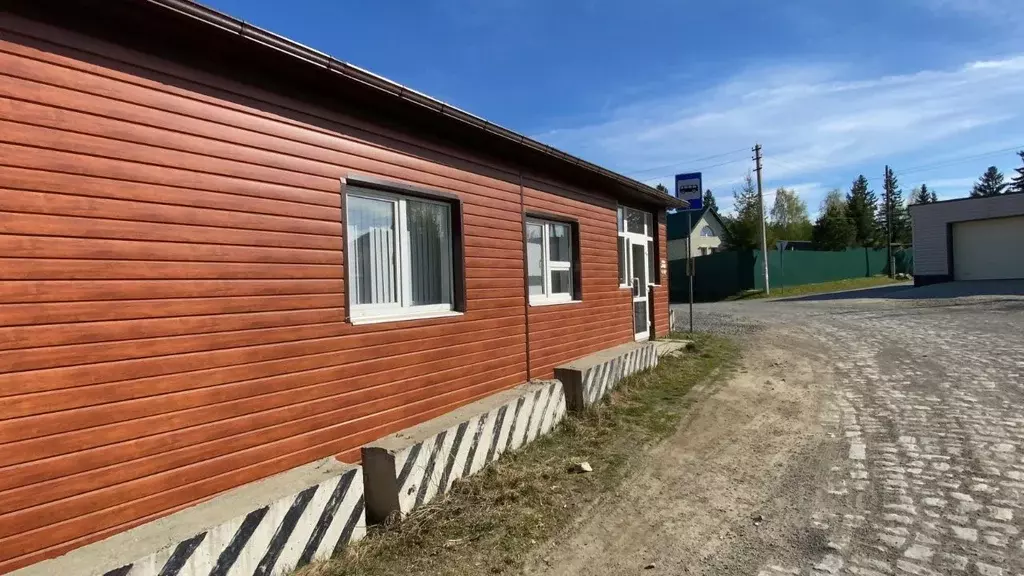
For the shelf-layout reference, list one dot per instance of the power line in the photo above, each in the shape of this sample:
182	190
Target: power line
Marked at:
701	169
943	164
685	163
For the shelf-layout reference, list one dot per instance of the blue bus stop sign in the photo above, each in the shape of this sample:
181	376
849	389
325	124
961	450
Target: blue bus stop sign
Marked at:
689	187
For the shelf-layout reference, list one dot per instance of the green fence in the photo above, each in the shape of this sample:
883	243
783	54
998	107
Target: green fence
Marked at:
721	275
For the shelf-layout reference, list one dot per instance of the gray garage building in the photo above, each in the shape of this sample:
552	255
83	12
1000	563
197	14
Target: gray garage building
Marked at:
969	239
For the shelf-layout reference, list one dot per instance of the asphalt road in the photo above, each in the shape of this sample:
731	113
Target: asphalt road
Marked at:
922	409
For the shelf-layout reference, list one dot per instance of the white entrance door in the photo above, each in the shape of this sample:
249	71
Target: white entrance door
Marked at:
639	281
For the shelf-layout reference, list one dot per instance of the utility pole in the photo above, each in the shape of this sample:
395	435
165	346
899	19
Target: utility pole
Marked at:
888	223
760	212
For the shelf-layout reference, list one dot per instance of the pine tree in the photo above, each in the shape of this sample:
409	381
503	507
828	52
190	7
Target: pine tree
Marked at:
861	205
1017	184
991	183
709	200
897	208
833	230
661	188
922	195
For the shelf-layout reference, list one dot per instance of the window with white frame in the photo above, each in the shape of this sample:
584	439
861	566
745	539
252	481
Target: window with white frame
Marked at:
635	224
549	261
399	256
707	232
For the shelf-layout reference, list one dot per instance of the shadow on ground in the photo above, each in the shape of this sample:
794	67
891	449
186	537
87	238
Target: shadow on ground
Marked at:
935	291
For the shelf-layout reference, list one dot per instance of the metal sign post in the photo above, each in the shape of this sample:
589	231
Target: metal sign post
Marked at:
690	187
689	262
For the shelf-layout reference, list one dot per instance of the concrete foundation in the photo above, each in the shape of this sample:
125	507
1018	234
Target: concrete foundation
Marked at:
410	468
265	528
588	379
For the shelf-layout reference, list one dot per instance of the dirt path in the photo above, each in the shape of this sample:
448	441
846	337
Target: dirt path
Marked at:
753	446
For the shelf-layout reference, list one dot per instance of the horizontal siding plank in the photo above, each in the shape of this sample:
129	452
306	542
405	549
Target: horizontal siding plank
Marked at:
78	163
248	209
72	376
72	418
42	269
49	225
103	310
296	449
279	373
156	108
66	201
327	410
21	468
71	290
275	153
16	246
95	146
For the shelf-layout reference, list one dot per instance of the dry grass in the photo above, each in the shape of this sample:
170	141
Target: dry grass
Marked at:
490	523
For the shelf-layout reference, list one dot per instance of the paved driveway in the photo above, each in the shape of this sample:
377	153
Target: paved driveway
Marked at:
926	406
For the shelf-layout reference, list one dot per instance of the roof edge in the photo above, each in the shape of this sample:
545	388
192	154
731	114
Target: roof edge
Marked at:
314	57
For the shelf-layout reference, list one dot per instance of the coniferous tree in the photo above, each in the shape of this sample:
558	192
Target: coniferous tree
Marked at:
922	195
709	200
896	209
861	205
991	183
1017	184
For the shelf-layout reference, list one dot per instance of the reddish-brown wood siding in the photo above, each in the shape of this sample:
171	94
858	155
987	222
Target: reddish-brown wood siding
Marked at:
563	332
661	303
172	296
172	299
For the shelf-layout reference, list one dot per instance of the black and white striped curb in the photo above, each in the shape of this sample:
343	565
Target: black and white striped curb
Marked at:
271	540
403	479
600	379
587	382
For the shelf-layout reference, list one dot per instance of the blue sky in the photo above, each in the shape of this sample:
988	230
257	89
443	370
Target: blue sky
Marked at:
649	88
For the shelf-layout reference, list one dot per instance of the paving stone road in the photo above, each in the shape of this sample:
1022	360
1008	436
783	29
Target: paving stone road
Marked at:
928	407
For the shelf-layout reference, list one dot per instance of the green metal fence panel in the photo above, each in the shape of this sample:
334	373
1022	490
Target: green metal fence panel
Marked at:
717	276
724	274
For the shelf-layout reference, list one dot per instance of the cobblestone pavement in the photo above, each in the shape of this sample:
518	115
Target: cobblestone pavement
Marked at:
927	407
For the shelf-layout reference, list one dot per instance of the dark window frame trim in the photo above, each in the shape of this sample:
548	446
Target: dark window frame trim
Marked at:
459	296
577	258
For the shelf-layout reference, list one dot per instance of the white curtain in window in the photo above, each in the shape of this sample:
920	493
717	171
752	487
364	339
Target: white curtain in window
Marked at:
428	252
371	233
535	257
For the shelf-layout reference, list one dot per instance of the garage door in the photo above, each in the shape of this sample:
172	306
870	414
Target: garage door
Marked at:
989	249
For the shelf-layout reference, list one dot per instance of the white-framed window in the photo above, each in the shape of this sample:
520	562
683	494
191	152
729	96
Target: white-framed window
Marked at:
549	261
635	224
399	256
707	232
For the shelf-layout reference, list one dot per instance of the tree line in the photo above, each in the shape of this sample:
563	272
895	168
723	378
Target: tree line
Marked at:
860	217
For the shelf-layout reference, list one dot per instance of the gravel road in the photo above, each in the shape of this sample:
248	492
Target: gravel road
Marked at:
870	433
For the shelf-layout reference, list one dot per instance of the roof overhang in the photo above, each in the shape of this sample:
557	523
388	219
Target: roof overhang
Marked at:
203	37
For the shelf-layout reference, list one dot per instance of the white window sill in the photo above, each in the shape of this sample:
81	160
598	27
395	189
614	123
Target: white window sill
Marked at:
553	302
378	319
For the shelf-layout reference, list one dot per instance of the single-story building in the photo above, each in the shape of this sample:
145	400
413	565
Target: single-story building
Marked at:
969	239
226	255
705	232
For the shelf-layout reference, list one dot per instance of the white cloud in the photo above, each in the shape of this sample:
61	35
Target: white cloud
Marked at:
815	122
